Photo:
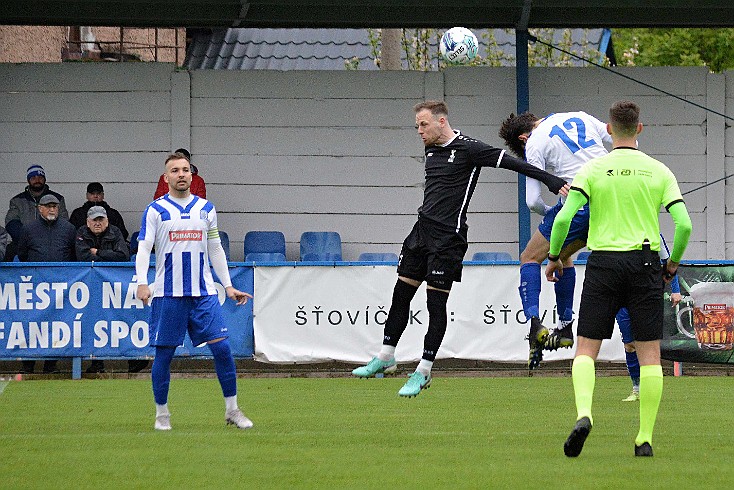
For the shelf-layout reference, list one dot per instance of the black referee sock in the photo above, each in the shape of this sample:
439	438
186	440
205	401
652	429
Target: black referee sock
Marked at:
436	301
397	318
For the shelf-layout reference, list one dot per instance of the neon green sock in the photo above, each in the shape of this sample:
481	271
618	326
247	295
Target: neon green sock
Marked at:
584	378
651	391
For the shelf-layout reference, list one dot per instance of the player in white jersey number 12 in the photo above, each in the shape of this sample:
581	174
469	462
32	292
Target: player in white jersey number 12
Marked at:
560	144
183	229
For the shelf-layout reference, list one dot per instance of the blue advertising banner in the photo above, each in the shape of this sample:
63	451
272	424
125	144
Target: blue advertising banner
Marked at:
83	310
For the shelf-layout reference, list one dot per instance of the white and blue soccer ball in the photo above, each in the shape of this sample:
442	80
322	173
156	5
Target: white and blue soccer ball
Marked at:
458	45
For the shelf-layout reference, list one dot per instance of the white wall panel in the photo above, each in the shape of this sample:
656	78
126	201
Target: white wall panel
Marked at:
300	151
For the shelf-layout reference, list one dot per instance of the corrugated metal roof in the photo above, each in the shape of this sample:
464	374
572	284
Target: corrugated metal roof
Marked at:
332	49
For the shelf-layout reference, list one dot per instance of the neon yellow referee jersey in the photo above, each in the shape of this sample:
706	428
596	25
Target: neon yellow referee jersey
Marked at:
625	190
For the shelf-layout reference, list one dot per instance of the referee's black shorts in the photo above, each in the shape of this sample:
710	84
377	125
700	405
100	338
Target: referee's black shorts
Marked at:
433	254
620	279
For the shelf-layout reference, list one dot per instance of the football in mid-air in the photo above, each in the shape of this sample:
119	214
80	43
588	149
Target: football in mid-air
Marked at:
458	45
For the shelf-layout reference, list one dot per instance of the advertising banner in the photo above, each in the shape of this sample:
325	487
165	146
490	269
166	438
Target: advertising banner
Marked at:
701	327
317	314
66	310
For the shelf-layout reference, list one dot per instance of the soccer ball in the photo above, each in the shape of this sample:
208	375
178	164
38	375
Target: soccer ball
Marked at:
458	45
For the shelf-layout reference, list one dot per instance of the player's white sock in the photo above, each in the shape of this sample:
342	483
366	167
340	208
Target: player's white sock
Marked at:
424	367
230	403
161	409
386	353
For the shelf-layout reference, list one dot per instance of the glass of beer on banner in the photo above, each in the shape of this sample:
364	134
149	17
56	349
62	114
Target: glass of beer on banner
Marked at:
713	315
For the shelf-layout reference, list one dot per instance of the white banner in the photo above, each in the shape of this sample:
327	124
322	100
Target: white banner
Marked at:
324	313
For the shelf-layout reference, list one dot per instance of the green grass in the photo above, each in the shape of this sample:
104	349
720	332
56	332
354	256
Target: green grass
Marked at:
351	433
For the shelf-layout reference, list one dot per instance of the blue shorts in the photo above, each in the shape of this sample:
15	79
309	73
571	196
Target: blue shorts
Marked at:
579	229
172	317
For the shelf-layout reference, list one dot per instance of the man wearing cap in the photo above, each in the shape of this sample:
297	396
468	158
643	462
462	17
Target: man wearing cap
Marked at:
48	239
24	207
95	197
100	241
198	187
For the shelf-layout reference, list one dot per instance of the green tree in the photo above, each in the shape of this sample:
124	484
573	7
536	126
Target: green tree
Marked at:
713	48
420	49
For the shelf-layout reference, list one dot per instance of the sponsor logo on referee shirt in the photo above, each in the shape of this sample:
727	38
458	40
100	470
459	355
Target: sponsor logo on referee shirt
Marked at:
186	235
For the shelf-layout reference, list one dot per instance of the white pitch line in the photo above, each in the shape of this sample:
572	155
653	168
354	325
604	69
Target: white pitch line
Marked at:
3	384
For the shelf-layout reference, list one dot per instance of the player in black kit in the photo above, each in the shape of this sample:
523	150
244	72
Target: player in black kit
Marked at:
434	249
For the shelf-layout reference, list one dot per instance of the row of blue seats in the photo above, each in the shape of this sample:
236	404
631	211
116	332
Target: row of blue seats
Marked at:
269	246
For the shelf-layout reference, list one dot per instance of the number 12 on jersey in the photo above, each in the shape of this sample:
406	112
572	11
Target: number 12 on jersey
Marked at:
581	141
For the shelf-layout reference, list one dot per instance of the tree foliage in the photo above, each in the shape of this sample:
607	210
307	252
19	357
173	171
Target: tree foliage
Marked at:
420	49
713	48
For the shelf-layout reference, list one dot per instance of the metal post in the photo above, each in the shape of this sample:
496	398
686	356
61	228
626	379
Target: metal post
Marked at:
523	105
76	368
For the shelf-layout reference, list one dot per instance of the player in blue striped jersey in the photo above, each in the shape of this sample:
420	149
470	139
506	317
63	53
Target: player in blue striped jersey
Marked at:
183	229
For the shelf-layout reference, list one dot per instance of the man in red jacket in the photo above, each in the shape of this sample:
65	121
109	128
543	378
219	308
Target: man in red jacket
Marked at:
198	187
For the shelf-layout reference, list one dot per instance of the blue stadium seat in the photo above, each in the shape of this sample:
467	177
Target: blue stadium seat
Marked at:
583	255
321	245
264	257
491	256
378	257
134	242
225	242
264	242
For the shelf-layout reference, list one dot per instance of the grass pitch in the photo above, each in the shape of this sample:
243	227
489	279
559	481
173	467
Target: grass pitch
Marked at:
352	433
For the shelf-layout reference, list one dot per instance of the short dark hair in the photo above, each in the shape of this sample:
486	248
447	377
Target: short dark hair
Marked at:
437	107
624	116
176	156
185	152
513	127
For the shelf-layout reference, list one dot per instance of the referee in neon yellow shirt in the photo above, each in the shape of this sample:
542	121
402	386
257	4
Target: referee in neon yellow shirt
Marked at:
625	191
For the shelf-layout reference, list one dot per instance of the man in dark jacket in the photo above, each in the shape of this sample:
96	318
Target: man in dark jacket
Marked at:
100	241
48	239
95	197
23	208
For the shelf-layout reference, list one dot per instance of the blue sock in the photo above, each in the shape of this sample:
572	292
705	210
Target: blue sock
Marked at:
564	294
160	373
530	289
224	364
633	366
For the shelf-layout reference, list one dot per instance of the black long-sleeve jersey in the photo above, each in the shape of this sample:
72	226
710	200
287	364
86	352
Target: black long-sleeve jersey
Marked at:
452	172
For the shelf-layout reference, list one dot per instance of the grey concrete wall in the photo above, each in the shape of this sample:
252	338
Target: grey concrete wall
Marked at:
336	151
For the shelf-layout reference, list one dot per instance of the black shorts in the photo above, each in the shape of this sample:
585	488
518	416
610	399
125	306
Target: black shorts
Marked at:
620	279
433	254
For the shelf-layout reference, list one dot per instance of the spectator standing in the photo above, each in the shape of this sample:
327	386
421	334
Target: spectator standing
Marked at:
95	197
48	239
198	187
100	241
24	206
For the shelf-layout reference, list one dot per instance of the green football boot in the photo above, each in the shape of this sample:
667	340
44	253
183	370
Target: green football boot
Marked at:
376	366
416	382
